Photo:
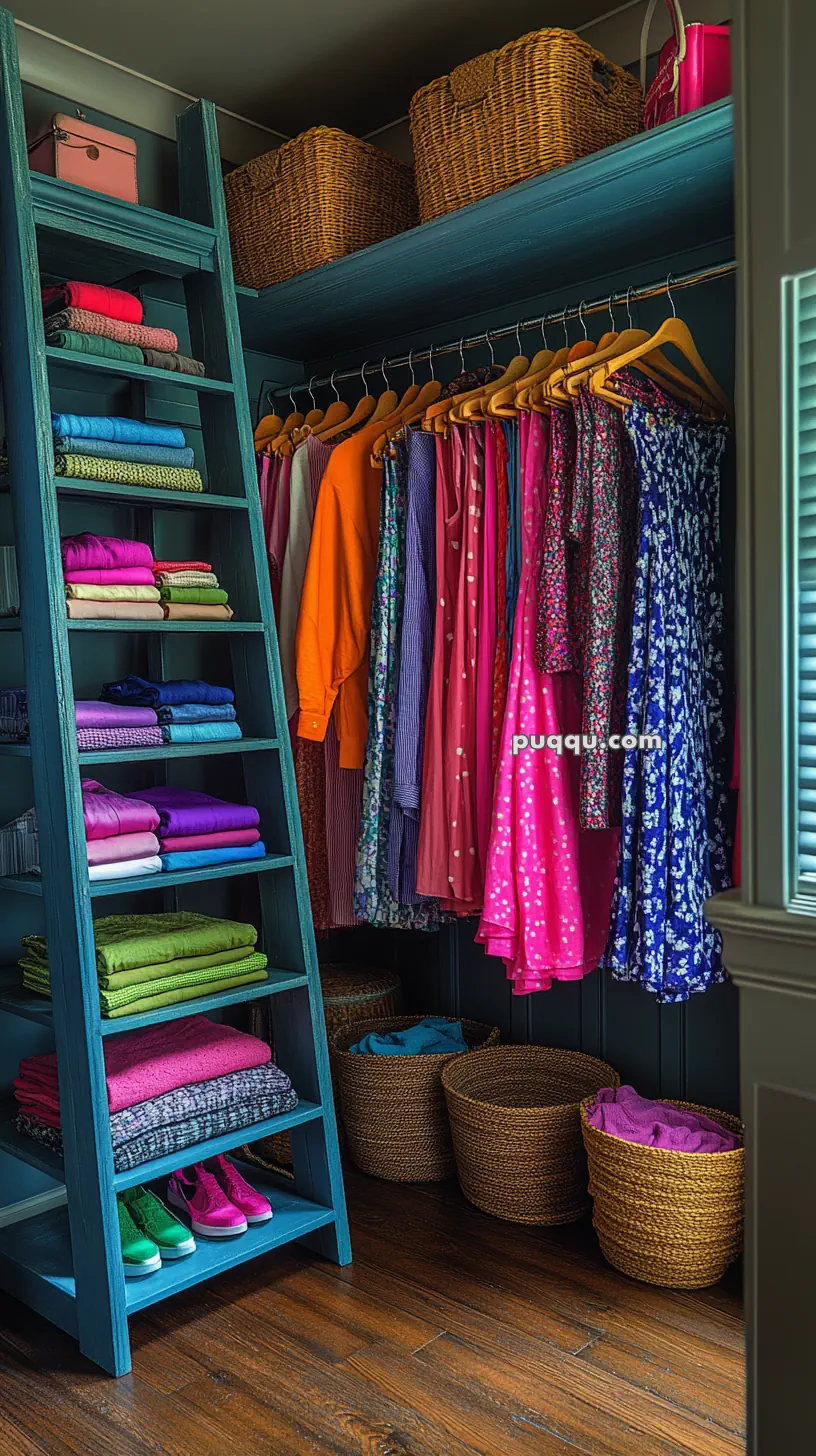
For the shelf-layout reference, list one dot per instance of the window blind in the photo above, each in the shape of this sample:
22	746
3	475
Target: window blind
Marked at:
803	408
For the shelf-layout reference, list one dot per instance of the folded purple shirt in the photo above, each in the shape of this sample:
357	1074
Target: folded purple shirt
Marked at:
118	576
91	714
624	1114
185	811
107	813
87	552
92	739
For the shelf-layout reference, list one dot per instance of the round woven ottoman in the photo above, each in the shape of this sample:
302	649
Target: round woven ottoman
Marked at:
514	1117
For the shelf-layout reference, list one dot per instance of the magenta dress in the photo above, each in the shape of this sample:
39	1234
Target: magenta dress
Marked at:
548	885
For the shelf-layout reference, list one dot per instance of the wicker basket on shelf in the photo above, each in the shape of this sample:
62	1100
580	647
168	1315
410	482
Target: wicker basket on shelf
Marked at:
318	197
393	1108
517	1133
538	103
662	1216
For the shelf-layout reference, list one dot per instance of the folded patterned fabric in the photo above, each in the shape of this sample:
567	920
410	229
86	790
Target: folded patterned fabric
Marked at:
83	321
116	611
36	968
120	450
96	297
186	578
162	567
125	869
151	1061
197	713
182	612
93	344
115	427
188	1115
173	692
92	714
13	715
121	847
107	813
176	363
200	732
119	576
205	596
186	811
87	592
210	841
88	552
191	991
201	859
127	472
124	942
91	739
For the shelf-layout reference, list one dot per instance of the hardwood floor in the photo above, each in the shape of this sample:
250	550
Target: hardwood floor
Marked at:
451	1334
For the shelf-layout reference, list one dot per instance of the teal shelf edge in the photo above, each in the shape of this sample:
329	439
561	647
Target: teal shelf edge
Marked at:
17	1000
32	884
134	495
12	624
123	369
35	1256
160	240
156	755
661	193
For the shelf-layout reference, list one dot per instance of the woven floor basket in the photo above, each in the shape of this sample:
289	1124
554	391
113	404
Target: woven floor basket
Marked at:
351	992
315	199
516	1130
538	103
665	1217
393	1108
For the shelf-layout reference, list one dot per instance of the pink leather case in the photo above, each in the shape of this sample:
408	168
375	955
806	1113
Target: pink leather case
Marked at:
87	155
694	68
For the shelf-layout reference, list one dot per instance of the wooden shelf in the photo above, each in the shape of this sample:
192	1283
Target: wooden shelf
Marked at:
665	191
157	755
123	369
163	879
12	624
140	495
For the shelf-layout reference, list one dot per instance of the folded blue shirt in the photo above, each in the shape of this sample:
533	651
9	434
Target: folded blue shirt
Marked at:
200	732
430	1036
199	859
141	693
196	713
113	427
122	450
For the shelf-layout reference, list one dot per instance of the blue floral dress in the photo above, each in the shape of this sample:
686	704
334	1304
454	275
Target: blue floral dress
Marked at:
673	851
373	900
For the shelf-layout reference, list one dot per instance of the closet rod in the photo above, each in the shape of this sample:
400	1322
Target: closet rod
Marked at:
453	346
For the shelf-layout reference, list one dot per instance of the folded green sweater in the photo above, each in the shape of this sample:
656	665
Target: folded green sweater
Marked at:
209	596
168	990
37	967
127	942
79	343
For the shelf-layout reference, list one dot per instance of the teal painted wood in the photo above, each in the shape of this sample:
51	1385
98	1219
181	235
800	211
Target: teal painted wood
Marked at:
155	755
101	1318
630	204
285	907
123	369
33	884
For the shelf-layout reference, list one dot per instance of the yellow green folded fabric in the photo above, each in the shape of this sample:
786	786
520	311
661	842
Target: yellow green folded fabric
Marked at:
87	591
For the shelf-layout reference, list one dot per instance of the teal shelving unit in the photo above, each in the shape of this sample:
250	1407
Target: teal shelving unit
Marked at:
65	1262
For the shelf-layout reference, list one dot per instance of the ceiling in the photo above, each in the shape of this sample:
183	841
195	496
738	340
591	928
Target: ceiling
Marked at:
348	63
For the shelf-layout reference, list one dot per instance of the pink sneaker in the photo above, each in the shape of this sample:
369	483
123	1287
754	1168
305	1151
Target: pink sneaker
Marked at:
253	1205
211	1213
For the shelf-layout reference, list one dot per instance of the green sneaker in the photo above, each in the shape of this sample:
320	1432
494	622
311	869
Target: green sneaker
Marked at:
139	1255
157	1222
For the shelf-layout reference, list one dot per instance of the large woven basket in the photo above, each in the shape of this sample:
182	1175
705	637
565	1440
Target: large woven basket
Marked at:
516	1130
393	1107
665	1217
318	197
538	103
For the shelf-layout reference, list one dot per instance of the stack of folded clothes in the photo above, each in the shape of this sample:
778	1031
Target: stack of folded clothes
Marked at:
190	590
109	577
169	1087
187	711
119	834
121	451
148	961
98	725
196	830
13	715
88	318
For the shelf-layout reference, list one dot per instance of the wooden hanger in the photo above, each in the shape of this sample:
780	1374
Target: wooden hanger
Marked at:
314	417
336	414
427	396
387	402
292	422
360	415
528	392
672	331
267	429
502	402
479	408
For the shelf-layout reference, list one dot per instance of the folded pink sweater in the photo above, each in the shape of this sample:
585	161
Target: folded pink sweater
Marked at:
119	576
122	846
83	321
88	552
144	1064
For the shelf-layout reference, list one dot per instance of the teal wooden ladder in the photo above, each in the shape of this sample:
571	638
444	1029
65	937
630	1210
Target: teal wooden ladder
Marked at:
65	1262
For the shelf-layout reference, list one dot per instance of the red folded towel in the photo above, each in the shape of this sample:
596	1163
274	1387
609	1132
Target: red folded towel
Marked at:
159	567
112	302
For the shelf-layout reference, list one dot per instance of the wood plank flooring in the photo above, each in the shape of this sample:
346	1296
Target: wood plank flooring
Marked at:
452	1334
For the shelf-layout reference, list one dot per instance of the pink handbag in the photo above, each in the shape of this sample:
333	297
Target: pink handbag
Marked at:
87	155
694	67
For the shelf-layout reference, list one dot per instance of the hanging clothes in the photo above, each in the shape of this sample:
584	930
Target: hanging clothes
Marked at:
548	883
674	852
